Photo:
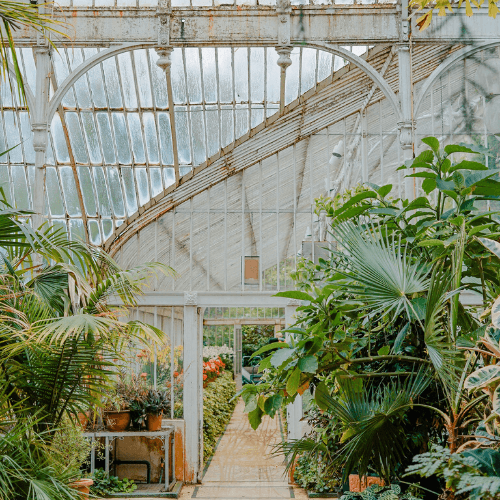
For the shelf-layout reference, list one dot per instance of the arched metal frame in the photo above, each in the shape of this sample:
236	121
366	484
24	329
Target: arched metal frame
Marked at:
83	68
445	66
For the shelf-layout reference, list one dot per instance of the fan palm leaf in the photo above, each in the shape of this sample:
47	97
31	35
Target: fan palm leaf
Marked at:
380	273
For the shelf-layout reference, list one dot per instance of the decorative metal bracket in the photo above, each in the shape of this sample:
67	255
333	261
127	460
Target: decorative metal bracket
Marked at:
284	9
405	135
164	13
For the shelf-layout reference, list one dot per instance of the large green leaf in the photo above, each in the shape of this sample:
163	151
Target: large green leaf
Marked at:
296	294
255	418
432	142
293	382
273	404
279	357
484	377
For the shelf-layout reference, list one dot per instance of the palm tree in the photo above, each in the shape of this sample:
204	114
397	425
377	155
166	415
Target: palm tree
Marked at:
14	16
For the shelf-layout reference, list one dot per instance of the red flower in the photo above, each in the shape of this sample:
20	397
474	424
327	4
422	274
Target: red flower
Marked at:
176	374
204	377
144	375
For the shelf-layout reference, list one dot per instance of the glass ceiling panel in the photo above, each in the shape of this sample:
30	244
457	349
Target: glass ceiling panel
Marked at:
207	3
117	121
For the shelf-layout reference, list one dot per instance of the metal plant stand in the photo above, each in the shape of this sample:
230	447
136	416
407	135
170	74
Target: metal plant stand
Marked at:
110	436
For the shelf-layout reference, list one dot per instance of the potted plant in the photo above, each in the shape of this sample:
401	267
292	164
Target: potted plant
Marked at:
116	413
155	404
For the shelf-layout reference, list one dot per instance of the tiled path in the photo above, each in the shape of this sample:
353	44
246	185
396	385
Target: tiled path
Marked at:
242	468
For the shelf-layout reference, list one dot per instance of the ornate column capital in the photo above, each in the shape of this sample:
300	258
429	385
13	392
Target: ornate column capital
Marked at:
164	61
284	9
190	298
284	59
405	135
40	132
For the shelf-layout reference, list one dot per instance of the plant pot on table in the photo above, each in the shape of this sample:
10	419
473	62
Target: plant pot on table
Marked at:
154	421
117	421
82	486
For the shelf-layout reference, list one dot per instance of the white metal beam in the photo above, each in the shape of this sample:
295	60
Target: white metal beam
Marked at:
210	299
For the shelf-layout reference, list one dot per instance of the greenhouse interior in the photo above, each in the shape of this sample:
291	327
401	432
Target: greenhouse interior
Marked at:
250	249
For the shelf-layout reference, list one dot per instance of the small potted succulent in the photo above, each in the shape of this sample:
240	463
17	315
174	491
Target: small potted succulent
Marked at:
155	404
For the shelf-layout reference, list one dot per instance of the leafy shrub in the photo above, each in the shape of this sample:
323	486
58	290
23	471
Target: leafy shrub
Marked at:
475	473
217	411
104	485
314	475
376	492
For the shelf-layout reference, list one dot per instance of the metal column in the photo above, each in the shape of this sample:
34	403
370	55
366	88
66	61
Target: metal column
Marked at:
293	411
237	358
193	388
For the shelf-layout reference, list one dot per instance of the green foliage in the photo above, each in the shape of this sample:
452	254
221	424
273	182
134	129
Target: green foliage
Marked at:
254	337
104	484
475	473
218	407
386	308
156	402
376	492
315	475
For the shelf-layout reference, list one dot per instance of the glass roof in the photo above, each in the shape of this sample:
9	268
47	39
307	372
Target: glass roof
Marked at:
209	3
115	132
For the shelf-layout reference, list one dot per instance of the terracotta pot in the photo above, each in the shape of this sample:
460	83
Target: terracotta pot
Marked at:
83	486
84	419
359	484
117	421
154	422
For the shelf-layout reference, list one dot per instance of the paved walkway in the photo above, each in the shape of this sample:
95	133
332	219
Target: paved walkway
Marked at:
242	468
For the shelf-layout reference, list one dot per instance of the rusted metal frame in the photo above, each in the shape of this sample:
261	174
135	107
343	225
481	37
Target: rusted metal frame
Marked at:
260	224
278	221
225	234
249	321
127	126
203	102
298	101
129	137
265	82
91	170
249	116
155	116
208	237
114	216
234	94
171	113
101	149
188	107
140	112
71	159
191	234
173	244
219	112
172	361
308	160
243	199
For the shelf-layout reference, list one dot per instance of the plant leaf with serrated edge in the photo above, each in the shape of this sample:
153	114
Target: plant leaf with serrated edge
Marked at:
309	364
279	357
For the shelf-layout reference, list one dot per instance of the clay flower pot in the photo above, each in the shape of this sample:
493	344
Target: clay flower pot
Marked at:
154	422
83	418
117	421
82	486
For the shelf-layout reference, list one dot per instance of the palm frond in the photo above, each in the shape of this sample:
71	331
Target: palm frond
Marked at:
380	272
